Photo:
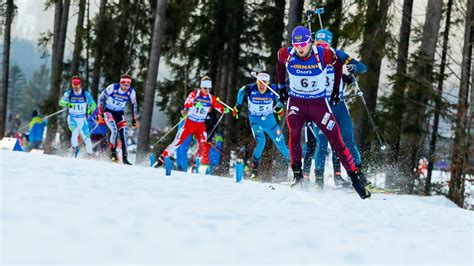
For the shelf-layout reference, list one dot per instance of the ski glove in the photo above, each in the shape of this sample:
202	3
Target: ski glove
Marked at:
352	68
347	79
283	95
134	123
335	99
227	110
235	112
184	112
279	111
70	105
198	104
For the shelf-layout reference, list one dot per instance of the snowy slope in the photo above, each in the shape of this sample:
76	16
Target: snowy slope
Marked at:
65	210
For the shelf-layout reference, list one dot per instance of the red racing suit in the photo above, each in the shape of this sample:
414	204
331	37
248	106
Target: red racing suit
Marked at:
198	105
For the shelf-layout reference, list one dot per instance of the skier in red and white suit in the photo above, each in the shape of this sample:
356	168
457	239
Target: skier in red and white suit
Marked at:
197	105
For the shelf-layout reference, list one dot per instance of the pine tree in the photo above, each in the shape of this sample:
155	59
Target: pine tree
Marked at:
98	48
420	91
460	153
372	50
9	10
78	39
61	17
17	84
438	99
147	107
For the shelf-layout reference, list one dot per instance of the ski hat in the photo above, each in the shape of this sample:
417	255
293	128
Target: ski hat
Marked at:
125	79
301	34
323	35
265	77
76	80
206	82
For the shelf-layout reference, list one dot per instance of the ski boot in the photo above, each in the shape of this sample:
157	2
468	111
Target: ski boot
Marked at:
125	160
159	162
359	182
297	175
339	181
113	156
254	170
75	151
319	179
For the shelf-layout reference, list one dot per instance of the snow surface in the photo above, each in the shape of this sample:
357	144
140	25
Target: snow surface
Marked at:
65	210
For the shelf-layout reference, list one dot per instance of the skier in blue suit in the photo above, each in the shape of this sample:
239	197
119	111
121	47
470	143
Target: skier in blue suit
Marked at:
262	120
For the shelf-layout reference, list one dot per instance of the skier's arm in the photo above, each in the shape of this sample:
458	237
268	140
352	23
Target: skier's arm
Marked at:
90	102
133	100
243	91
358	66
217	105
330	58
190	100
65	99
104	95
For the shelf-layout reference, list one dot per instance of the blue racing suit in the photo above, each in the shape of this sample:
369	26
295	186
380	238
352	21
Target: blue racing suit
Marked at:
262	119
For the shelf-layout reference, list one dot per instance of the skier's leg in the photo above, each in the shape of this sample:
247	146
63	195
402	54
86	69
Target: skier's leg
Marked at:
297	114
183	133
321	151
275	134
336	163
259	136
310	148
85	133
345	123
201	137
326	122
110	121
123	132
320	157
72	124
321	114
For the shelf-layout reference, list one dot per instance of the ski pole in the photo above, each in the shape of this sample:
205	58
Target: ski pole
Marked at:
353	96
215	147
319	11
223	103
254	74
169	131
377	132
215	127
46	117
308	18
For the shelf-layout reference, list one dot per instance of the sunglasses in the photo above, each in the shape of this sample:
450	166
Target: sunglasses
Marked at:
300	44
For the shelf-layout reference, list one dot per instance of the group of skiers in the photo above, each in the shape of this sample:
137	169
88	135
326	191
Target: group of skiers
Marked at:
110	110
310	86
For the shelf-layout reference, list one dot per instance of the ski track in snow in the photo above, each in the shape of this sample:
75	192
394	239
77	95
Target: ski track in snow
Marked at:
65	210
